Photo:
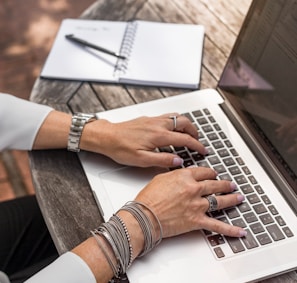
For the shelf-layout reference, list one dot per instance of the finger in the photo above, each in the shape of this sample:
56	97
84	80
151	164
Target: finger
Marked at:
184	139
217	187
177	122
221	227
225	201
185	125
201	174
162	159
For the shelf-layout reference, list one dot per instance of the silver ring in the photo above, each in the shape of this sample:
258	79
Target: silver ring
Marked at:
213	203
174	118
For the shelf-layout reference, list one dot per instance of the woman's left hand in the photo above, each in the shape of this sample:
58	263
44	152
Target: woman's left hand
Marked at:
135	142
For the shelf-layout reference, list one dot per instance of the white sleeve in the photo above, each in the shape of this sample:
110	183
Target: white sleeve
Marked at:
20	121
68	268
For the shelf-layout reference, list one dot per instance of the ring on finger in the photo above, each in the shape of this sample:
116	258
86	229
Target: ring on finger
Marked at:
174	119
213	203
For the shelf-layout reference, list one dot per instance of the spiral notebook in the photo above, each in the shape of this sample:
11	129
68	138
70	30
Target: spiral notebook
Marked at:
157	54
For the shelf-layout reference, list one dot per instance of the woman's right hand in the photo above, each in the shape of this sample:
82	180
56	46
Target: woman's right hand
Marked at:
178	200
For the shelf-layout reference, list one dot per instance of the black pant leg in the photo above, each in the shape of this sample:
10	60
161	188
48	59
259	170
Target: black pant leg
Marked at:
24	238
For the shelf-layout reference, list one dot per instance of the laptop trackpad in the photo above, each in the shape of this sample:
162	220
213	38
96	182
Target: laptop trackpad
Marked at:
123	184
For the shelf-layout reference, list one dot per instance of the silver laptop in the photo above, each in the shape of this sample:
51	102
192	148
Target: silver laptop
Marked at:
247	124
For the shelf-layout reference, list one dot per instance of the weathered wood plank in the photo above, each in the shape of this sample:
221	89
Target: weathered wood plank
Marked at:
123	10
112	96
85	100
60	184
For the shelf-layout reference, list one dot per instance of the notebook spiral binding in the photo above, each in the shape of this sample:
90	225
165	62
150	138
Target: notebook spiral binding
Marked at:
126	49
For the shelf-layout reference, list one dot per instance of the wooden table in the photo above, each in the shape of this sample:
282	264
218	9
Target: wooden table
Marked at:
62	189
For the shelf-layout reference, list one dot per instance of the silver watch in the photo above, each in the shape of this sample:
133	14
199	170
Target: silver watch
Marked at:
77	125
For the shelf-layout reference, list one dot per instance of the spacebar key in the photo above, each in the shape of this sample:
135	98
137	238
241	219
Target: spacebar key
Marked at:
235	244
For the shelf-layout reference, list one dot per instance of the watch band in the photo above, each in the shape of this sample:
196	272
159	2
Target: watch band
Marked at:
77	125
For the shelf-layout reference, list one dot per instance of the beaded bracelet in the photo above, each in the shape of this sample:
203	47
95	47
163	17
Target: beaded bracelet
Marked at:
117	236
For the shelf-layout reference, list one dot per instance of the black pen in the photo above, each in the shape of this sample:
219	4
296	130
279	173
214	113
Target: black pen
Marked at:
91	45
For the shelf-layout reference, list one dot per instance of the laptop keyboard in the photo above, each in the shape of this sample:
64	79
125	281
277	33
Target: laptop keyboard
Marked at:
257	215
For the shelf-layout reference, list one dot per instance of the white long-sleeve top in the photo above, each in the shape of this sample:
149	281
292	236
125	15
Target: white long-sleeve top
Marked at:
20	121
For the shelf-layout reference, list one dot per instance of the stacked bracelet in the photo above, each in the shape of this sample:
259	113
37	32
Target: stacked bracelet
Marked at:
135	208
117	236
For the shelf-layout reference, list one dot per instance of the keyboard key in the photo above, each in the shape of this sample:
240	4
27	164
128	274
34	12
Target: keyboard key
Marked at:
224	219
225	177
222	134
257	228
216	240
234	170
188	162
183	154
204	142
166	149
249	240
253	180
217	213
214	160
229	161
232	213
240	161
197	157
288	232
219	168
223	153
217	144
240	179
218	128
206	111
235	244
264	239
202	121
273	210
234	152
266	199
207	128
259	189
212	136
247	189
197	113
280	221
266	219
239	222
211	119
275	232
246	170
260	208
250	217
228	143
210	151
243	207
203	164
253	198
219	252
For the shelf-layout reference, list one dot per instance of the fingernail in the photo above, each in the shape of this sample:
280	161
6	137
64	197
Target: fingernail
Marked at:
240	197
177	161
206	151
242	233
233	186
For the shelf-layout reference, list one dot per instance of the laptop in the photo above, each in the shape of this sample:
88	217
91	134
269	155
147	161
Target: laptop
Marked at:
249	126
